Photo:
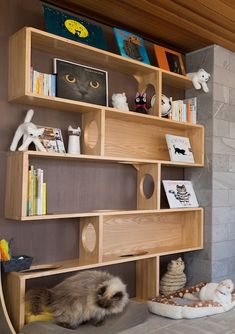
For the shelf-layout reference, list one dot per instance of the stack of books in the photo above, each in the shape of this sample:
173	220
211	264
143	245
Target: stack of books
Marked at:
184	110
43	83
36	201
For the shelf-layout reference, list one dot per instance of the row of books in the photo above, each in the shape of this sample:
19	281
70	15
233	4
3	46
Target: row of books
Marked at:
36	202
43	83
184	110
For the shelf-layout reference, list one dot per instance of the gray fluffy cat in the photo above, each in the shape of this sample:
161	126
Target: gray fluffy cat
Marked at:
87	296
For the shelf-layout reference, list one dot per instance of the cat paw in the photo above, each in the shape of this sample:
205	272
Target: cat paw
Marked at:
66	325
98	323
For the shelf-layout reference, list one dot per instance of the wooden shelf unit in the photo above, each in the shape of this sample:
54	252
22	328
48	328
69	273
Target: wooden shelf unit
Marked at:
109	135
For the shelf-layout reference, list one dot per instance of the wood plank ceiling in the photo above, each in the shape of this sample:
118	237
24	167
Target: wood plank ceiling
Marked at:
184	25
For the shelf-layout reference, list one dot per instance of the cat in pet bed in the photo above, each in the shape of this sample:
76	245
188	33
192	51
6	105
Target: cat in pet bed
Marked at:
217	292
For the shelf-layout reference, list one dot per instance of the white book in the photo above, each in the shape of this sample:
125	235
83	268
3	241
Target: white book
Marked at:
179	148
180	194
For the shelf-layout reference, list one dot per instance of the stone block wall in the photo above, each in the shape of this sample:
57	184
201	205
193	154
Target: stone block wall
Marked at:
215	183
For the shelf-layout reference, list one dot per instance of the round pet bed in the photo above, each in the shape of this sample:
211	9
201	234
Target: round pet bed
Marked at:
176	307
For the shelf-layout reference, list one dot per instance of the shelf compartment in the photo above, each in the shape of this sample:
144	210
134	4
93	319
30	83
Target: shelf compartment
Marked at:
137	136
145	234
22	43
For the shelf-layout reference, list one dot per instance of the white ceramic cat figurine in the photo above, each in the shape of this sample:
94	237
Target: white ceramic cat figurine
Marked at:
74	140
30	134
217	292
119	101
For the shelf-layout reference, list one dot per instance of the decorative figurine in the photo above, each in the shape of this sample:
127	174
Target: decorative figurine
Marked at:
30	134
141	103
200	79
74	140
165	105
119	101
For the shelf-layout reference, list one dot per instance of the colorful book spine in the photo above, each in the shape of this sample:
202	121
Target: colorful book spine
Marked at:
43	83
36	199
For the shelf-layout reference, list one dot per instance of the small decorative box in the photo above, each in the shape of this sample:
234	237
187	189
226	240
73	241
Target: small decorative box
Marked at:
17	263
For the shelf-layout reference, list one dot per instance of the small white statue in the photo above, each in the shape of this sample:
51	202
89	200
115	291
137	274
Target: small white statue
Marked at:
30	134
74	140
119	101
200	79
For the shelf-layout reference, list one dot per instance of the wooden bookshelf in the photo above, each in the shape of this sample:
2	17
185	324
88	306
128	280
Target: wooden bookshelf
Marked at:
114	236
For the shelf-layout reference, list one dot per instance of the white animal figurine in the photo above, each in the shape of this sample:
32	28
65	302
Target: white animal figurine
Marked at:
165	104
217	292
200	79
119	101
174	279
30	134
74	140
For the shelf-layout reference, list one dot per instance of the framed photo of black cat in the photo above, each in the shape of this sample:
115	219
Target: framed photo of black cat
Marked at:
169	60
180	194
81	83
179	148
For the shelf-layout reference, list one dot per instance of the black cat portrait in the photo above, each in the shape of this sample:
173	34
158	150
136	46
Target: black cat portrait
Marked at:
81	83
179	150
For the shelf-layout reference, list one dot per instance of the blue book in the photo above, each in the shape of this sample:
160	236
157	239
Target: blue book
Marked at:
131	45
67	25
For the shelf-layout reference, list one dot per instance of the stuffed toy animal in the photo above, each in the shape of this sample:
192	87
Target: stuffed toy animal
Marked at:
141	103
165	104
119	101
200	79
30	134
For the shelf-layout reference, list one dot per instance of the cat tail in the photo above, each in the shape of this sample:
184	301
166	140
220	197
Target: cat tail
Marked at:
38	299
29	116
190	296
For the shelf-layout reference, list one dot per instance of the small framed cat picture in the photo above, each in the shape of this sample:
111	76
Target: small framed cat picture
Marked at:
179	148
180	194
81	83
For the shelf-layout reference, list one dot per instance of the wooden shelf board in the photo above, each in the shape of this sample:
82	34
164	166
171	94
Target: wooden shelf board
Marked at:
55	103
107	159
97	213
74	265
130	116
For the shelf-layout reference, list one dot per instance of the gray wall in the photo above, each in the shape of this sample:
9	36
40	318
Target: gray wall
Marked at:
215	183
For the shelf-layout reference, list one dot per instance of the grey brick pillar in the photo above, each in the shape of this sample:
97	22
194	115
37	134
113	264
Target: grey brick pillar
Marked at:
215	183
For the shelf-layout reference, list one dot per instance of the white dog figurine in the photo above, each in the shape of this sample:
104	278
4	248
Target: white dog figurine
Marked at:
200	79
30	134
119	101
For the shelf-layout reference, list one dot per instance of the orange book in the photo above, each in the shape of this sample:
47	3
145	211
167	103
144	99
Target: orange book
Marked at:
188	112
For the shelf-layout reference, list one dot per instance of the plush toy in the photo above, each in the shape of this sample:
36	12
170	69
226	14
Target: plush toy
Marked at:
30	134
141	103
200	79
165	104
119	101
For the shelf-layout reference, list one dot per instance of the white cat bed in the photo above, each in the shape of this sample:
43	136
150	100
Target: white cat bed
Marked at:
176	307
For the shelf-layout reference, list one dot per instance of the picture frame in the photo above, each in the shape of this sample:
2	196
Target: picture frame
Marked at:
179	148
71	26
52	139
180	194
81	83
169	60
131	45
